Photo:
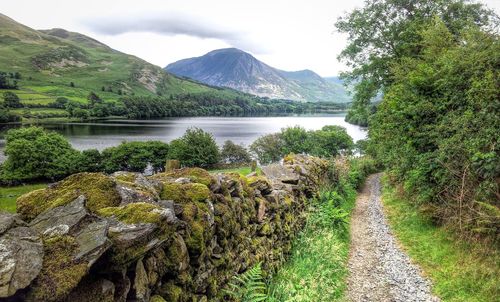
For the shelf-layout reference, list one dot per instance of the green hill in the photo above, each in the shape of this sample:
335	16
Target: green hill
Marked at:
49	60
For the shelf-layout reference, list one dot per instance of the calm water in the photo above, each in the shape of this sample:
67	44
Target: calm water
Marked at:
245	130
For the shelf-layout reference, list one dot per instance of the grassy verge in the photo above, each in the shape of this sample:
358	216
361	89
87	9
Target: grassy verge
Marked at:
240	170
317	268
459	271
9	195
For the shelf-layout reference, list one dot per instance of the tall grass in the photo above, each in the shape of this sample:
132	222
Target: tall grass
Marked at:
317	268
459	271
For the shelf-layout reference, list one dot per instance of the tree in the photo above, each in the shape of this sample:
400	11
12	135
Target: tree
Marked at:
234	154
5	82
268	148
330	141
11	100
93	99
384	31
135	156
7	117
437	127
80	113
196	148
90	161
34	153
295	140
60	102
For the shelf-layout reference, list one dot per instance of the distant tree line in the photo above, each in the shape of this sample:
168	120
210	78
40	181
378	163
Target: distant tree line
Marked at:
190	104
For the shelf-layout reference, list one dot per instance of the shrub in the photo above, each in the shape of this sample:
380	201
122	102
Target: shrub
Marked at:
268	148
34	153
11	100
196	148
234	154
135	156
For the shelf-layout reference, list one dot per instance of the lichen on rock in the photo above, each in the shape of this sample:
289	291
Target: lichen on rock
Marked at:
185	192
98	189
176	236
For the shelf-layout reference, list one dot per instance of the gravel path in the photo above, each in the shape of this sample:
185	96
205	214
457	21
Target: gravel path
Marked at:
378	269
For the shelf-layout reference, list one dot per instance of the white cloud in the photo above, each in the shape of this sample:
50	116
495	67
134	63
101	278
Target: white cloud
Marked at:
287	34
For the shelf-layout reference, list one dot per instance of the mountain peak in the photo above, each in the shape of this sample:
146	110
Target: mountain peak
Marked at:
237	69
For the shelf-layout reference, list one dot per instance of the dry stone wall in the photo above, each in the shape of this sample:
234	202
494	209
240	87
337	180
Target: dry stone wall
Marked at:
177	236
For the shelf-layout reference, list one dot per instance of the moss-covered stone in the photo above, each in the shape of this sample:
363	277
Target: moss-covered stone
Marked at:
98	188
139	212
157	298
196	175
60	273
171	292
186	192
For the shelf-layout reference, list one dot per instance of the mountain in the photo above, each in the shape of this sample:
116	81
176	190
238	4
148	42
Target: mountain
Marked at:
50	60
239	70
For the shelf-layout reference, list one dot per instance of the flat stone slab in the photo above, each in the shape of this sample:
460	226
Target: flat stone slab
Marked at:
21	257
59	220
276	172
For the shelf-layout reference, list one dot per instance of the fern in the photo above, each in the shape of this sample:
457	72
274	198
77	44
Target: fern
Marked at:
249	286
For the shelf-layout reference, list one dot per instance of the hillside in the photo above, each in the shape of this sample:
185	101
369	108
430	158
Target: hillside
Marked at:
237	69
49	60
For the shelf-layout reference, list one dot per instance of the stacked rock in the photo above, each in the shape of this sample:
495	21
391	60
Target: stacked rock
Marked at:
174	236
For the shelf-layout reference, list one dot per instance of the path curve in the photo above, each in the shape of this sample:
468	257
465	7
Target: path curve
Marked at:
378	269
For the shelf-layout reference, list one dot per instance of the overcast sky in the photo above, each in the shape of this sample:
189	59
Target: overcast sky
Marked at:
287	34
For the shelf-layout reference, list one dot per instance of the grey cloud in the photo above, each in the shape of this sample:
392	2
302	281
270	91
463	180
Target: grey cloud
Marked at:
171	25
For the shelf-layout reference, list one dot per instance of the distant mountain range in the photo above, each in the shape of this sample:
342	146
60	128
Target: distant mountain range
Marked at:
239	70
57	62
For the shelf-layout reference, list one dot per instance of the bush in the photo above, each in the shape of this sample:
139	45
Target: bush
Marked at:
330	141
34	153
234	154
196	148
437	128
11	100
268	148
135	156
7	117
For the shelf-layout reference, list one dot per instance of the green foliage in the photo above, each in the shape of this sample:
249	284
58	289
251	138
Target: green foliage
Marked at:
34	153
6	116
437	126
196	148
268	148
459	271
135	156
328	142
6	83
383	32
317	268
234	154
248	286
11	100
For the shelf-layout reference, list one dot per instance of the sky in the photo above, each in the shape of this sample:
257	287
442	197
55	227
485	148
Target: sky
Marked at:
286	34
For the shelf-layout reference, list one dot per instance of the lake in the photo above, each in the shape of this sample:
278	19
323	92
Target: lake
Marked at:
244	130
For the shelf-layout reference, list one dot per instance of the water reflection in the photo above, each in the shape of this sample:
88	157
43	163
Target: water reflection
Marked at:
245	130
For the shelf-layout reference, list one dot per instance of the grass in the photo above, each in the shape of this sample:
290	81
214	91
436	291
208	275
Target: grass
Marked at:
241	170
317	268
459	271
9	195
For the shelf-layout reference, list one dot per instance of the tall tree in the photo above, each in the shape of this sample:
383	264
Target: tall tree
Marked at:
384	31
